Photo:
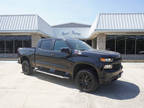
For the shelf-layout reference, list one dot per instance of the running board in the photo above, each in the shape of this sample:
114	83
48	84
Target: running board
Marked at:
51	74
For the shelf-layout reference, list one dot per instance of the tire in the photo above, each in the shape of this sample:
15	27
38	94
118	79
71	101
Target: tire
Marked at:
86	81
26	67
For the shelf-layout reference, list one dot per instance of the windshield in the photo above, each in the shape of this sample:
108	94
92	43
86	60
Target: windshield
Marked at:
78	45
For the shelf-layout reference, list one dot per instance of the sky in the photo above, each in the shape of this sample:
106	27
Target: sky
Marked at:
65	11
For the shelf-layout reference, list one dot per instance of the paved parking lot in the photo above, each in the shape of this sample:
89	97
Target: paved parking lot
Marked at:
42	91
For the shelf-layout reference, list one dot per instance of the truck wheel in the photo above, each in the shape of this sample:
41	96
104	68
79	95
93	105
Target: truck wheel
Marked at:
86	81
26	67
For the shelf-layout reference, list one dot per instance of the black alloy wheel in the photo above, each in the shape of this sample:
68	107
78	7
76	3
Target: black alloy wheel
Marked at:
86	81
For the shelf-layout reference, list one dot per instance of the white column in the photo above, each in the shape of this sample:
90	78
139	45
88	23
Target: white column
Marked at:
35	39
101	41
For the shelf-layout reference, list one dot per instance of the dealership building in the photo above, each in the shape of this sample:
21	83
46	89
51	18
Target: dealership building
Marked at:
21	31
120	32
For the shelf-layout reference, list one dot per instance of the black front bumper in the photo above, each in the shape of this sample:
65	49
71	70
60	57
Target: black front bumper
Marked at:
111	76
108	75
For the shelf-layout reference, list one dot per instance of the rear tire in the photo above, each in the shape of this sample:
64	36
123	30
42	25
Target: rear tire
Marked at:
26	67
86	80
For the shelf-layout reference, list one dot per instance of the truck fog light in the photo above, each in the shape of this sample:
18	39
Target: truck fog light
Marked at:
108	67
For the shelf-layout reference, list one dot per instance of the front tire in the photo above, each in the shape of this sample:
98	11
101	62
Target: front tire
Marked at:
26	67
86	80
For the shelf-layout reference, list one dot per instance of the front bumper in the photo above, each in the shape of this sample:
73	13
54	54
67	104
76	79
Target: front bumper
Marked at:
111	76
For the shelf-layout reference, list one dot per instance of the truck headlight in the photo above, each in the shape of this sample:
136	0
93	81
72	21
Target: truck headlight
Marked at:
106	59
108	67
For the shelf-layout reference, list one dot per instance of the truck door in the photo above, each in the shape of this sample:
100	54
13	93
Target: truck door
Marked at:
59	59
43	54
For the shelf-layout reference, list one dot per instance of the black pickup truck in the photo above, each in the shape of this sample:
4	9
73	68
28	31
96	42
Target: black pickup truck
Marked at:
72	58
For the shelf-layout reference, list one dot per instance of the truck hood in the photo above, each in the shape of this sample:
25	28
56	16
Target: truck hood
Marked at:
101	53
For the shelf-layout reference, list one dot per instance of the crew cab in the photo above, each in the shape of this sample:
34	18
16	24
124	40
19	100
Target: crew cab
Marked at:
72	58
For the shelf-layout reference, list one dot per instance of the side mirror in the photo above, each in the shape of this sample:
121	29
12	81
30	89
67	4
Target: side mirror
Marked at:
66	50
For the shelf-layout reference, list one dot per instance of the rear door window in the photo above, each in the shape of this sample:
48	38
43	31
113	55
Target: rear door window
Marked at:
46	44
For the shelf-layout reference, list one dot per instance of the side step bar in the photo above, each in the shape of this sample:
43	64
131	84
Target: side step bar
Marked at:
51	74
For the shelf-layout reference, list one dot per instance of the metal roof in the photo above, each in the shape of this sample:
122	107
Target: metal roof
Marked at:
24	23
69	25
118	22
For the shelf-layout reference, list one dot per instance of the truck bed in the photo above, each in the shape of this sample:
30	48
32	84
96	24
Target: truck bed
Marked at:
26	51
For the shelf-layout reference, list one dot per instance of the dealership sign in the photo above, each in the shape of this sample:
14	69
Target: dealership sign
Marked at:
71	33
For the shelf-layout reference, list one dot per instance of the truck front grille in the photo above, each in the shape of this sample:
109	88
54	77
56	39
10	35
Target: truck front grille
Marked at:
116	66
117	59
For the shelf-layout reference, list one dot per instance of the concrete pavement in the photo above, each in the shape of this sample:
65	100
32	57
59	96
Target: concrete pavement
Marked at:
42	91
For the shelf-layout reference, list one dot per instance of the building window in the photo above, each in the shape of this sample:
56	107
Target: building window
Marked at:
89	42
130	44
2	46
125	44
120	44
10	44
139	44
110	43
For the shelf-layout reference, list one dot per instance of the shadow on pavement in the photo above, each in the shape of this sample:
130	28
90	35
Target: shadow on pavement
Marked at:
63	82
120	90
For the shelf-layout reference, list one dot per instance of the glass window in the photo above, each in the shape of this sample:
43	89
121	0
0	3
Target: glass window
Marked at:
89	42
139	44
46	44
130	44
110	43
9	46
27	43
18	44
2	46
126	44
78	44
120	44
60	44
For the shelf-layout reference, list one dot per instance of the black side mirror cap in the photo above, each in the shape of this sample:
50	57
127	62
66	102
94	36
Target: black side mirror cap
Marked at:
66	50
